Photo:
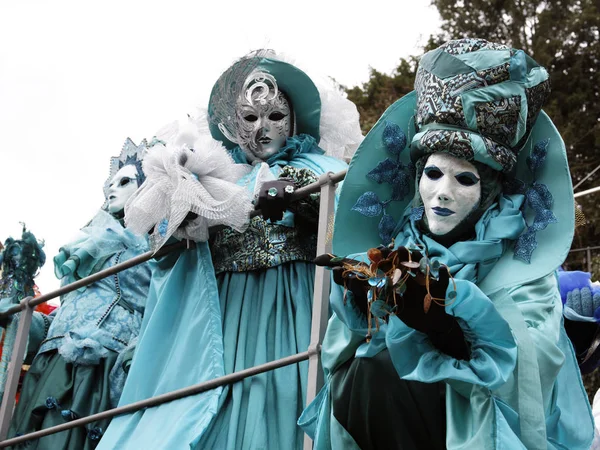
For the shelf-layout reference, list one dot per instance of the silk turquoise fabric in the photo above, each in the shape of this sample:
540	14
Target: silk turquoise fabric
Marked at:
199	326
266	316
520	389
180	344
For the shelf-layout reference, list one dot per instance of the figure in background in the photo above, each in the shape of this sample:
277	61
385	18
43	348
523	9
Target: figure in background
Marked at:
581	310
20	261
247	299
450	335
80	366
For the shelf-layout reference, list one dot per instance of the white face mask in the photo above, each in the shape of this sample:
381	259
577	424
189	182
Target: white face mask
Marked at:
450	190
121	187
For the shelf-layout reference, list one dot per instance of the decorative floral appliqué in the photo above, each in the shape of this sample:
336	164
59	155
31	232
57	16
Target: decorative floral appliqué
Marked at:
393	172
538	198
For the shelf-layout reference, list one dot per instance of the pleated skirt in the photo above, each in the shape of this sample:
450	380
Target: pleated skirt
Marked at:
266	316
56	391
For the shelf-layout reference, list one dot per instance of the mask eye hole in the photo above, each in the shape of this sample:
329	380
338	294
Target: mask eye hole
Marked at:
276	116
433	173
125	181
250	118
467	179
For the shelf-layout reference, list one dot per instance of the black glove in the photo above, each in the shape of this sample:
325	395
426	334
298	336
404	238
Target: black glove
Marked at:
357	286
191	216
274	198
5	322
442	329
415	307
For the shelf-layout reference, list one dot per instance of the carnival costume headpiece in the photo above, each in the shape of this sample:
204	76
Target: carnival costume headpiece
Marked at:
20	261
319	110
131	154
481	102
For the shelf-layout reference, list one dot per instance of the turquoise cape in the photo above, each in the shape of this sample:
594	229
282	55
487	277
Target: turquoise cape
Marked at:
520	389
199	326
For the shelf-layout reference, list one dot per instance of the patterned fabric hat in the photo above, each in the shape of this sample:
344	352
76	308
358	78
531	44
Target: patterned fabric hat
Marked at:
477	100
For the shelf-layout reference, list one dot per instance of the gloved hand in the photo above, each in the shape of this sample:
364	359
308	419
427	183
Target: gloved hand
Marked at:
585	336
584	302
190	217
5	322
416	306
418	309
443	329
359	286
274	198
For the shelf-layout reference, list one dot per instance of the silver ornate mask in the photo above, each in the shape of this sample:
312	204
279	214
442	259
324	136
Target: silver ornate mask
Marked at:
264	117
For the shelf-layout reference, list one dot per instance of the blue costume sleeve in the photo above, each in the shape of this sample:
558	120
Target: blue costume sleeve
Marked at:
493	348
40	323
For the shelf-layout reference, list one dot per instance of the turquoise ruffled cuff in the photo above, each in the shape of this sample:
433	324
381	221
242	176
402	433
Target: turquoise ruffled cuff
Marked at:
493	348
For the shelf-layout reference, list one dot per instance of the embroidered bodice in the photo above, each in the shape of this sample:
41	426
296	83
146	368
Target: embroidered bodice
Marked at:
265	244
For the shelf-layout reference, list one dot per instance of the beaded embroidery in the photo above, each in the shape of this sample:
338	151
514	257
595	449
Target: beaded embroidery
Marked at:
264	244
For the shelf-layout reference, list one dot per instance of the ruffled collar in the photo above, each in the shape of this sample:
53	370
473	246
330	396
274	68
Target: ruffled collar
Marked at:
472	260
294	146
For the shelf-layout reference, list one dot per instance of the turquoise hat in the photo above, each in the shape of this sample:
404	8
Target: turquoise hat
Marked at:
477	100
297	86
380	186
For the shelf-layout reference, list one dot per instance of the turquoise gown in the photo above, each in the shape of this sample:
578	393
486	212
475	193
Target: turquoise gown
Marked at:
214	310
78	370
520	389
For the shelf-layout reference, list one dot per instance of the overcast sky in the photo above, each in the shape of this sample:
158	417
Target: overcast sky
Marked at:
78	77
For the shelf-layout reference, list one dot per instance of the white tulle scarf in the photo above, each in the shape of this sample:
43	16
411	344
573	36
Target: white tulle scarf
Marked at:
182	179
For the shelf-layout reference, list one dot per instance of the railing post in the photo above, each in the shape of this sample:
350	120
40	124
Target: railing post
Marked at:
320	312
588	255
14	367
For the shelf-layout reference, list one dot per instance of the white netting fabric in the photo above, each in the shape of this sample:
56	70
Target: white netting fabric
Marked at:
180	180
339	125
340	129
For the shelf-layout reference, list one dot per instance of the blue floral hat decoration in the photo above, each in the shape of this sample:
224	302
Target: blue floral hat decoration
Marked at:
478	101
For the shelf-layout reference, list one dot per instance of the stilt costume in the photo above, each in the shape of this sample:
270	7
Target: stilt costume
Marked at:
247	298
80	366
474	308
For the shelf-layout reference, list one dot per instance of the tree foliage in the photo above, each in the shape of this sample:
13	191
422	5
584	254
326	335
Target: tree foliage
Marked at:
381	90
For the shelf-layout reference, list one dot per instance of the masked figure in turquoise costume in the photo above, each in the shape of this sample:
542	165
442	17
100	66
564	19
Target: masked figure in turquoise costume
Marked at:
451	334
20	262
80	366
245	298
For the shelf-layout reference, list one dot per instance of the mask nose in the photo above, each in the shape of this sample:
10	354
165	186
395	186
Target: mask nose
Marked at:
444	192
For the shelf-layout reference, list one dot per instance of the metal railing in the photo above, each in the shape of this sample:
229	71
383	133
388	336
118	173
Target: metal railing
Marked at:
320	314
588	255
